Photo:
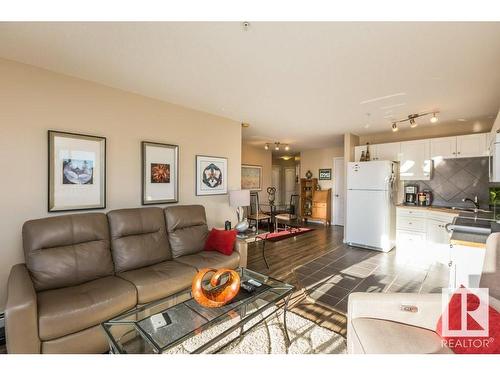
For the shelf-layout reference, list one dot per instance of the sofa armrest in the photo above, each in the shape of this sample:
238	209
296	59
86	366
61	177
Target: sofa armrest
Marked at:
241	247
21	315
421	310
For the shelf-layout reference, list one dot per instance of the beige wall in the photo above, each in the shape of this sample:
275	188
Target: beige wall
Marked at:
439	130
33	100
258	156
315	159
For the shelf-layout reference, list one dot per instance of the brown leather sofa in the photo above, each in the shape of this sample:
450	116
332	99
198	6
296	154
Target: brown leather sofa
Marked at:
83	269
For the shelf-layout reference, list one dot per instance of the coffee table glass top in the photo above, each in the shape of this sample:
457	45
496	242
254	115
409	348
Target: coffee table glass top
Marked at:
165	324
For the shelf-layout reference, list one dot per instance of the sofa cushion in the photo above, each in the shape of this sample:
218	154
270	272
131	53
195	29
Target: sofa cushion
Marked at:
398	338
160	280
187	229
210	259
68	310
138	237
67	250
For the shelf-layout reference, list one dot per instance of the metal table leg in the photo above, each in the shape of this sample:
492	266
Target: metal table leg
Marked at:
264	252
287	337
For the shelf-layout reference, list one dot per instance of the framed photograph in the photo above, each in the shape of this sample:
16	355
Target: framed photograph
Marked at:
325	174
211	175
77	172
251	177
160	173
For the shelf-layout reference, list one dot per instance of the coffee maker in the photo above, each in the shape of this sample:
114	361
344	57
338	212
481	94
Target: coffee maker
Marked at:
411	192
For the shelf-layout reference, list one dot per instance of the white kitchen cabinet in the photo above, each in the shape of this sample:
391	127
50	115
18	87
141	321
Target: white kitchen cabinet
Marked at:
443	148
466	266
438	240
415	160
472	145
387	151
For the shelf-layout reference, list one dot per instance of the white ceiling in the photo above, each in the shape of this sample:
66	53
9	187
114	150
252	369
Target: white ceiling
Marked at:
298	83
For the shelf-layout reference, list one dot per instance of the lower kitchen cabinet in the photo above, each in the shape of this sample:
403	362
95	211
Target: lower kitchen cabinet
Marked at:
466	266
421	236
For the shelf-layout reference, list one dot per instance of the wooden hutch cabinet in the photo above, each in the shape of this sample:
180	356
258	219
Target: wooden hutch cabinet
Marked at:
315	204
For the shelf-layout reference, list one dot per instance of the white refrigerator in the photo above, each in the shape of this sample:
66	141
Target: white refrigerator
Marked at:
371	213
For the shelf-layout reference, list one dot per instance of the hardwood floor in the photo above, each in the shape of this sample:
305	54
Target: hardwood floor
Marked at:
284	256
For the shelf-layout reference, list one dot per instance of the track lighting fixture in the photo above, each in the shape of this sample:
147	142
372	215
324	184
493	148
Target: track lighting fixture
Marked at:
412	119
277	146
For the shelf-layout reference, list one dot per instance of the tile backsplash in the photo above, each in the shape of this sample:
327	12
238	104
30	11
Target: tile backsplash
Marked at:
455	179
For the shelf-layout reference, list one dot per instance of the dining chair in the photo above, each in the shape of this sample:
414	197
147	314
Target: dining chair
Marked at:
256	215
292	212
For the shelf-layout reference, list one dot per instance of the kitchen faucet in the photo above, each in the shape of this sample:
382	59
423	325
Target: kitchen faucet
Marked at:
475	201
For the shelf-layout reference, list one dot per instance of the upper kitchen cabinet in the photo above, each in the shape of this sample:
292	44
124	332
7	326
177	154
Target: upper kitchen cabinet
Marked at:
388	151
472	145
463	146
415	160
383	151
443	148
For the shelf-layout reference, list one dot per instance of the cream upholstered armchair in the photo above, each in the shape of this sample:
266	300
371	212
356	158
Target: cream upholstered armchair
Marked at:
405	322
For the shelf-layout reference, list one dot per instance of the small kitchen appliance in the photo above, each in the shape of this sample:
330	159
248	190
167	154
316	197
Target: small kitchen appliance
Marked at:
411	192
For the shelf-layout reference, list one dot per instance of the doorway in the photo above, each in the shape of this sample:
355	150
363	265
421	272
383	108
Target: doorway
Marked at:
276	182
338	191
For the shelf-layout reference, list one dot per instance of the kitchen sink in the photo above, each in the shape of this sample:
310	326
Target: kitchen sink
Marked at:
470	225
470	209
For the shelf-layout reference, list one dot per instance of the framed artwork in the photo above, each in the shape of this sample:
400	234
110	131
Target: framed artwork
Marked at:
211	175
160	173
77	172
325	174
251	177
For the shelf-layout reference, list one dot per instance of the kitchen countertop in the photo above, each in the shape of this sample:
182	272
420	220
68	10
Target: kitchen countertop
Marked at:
447	210
459	237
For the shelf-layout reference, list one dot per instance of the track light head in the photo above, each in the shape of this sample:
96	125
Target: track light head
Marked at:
394	127
277	146
287	148
413	123
266	147
434	119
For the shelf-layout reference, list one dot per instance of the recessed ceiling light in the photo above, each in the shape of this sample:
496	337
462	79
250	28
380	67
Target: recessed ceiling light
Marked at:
461	119
287	148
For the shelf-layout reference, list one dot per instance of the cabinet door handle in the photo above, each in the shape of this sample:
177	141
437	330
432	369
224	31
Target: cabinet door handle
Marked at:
458	152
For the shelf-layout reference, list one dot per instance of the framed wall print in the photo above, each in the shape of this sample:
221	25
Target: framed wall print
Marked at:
211	175
325	174
251	177
77	172
160	173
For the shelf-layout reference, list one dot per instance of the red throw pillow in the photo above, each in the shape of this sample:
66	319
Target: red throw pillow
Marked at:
470	344
221	241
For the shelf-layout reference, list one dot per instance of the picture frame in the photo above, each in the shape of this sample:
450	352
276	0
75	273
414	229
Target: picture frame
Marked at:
76	171
160	173
211	175
325	174
251	177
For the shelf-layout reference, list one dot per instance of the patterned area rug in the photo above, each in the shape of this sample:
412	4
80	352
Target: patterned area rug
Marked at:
268	338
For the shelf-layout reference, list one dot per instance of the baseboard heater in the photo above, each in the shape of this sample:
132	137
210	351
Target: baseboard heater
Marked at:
2	329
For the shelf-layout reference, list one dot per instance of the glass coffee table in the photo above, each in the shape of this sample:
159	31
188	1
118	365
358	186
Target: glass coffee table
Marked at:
178	324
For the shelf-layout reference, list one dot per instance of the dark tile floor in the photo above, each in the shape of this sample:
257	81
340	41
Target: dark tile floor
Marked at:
330	278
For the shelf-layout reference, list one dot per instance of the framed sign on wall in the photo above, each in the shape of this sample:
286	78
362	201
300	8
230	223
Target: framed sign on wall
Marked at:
325	174
160	173
251	177
76	171
211	175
